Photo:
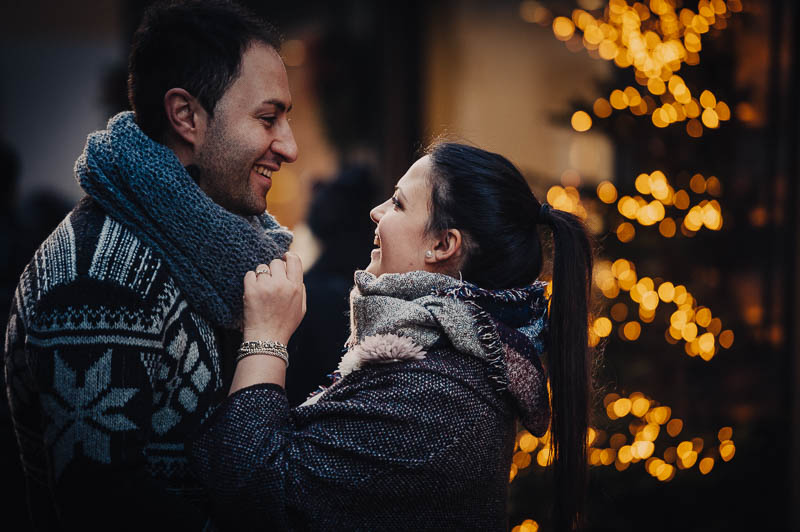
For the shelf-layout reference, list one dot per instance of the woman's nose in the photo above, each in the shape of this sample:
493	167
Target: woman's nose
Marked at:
377	212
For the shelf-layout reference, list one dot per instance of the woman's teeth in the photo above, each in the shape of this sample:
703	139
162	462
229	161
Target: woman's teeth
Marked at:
263	170
377	240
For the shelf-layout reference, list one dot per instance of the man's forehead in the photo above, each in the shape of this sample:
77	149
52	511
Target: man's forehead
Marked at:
263	81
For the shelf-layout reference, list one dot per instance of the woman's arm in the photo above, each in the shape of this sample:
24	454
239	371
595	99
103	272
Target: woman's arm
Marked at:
274	306
377	439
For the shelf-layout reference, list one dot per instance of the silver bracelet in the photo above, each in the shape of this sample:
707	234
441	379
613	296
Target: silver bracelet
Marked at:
262	347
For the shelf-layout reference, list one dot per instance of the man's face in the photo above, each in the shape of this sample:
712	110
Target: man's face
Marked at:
249	136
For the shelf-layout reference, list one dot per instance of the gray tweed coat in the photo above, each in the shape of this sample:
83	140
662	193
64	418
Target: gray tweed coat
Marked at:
414	435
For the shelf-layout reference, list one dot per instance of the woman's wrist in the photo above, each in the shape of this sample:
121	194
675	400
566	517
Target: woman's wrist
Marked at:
263	348
258	370
256	335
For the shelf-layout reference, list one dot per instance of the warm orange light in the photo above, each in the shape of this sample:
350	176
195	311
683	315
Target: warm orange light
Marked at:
521	459
694	128
697	184
618	99
625	454
670	455
633	96
622	407
602	108
727	450
619	311
642	449
581	121
650	431
710	118
692	42
706	343
602	327
607	49
667	227
723	111
642	183
632	330
726	339
706	465
563	28
725	433
660	414
543	456
616	441
708	100
684	448
640	406
627	207
528	442
713	186
703	317
666	291
625	232
650	300
682	199
674	427
656	86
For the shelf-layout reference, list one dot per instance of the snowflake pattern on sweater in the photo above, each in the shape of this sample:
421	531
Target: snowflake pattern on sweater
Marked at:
109	370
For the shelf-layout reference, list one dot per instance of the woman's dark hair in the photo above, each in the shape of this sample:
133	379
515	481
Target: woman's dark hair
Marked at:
485	197
194	45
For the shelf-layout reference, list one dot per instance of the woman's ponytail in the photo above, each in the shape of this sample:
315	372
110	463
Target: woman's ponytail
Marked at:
486	197
569	362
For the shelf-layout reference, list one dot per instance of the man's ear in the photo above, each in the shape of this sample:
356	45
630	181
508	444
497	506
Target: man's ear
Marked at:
187	118
446	248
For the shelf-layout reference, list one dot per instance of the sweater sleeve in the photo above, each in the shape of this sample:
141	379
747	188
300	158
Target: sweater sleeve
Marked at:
265	463
82	396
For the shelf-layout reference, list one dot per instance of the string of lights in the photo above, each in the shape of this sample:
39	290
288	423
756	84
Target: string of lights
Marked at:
655	39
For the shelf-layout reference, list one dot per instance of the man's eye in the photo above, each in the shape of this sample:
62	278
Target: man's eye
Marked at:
268	120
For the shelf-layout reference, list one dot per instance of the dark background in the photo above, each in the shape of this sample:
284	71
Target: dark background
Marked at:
367	64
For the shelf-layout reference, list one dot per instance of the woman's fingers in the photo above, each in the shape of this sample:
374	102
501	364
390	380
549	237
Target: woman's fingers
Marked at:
277	268
294	267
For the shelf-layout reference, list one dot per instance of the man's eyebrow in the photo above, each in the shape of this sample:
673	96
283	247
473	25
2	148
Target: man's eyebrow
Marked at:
279	104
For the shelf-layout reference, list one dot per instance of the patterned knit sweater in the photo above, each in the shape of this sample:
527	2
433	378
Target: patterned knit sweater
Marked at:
108	370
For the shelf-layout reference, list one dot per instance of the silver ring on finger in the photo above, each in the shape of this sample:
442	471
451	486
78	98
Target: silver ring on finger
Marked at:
262	269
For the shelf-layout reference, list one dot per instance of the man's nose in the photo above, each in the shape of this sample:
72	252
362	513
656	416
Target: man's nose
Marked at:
285	146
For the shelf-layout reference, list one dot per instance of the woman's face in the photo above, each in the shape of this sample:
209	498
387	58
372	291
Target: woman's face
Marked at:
401	221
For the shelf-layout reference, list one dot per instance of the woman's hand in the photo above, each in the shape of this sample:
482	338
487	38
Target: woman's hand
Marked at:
274	302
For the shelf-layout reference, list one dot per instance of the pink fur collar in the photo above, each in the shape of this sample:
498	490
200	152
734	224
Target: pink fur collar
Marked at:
380	349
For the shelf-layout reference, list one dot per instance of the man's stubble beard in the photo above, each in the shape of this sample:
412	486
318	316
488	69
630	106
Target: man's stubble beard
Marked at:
219	175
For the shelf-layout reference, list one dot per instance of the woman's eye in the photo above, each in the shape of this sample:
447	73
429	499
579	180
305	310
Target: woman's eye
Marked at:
396	202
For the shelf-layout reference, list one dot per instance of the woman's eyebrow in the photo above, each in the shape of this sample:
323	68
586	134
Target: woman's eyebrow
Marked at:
400	193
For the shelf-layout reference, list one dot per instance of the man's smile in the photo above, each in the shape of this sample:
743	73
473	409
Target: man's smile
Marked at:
262	170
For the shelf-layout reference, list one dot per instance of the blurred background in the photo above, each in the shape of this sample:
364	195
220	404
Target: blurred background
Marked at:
670	126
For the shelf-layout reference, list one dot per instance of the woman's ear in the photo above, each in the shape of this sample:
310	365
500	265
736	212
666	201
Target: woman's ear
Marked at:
446	248
187	118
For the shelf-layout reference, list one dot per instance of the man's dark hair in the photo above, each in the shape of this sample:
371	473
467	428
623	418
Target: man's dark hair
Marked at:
194	45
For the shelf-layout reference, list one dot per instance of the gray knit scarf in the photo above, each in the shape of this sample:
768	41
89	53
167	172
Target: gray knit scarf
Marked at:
142	184
506	328
408	305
